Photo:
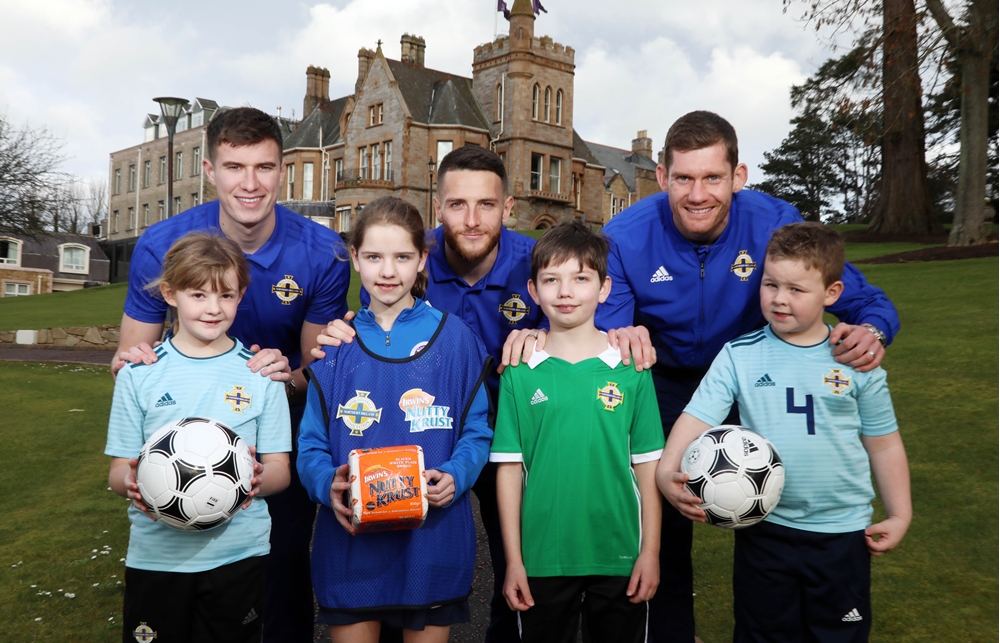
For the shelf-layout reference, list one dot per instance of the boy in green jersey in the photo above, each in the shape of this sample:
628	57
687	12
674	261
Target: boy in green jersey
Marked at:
577	439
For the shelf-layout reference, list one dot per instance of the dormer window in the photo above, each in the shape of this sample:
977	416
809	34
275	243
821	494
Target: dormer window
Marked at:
376	114
10	252
74	257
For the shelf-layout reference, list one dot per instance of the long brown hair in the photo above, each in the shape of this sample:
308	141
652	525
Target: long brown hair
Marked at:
391	210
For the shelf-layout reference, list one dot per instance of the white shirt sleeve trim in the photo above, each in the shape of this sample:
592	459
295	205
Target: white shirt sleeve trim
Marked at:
506	457
652	456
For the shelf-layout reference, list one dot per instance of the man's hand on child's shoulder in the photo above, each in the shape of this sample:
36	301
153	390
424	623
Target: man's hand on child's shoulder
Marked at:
337	332
890	532
645	578
141	354
634	342
269	362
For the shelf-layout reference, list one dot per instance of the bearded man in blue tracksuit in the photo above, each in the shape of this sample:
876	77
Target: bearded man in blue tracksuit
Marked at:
685	265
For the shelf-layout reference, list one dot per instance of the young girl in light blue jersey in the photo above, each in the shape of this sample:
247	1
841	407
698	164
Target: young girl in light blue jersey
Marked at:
204	585
360	396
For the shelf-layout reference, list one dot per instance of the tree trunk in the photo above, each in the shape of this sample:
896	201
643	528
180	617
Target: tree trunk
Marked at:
904	203
969	226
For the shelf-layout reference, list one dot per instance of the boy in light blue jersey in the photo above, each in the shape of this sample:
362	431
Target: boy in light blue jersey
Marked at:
203	586
803	573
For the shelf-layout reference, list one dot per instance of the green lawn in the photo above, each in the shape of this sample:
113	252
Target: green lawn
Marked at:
88	307
939	585
943	374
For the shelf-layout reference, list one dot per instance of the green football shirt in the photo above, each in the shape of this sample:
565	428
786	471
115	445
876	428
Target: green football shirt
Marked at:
577	429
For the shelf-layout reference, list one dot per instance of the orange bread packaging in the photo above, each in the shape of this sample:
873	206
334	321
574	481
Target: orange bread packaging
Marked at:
388	489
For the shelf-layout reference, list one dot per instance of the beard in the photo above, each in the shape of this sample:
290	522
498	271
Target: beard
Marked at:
469	252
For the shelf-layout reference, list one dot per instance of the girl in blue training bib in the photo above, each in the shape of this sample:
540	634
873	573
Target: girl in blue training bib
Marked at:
363	395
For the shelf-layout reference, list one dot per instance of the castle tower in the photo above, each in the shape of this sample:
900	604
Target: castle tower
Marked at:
525	85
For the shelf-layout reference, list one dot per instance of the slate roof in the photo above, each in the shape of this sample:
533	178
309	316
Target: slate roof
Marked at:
618	161
581	151
438	98
325	116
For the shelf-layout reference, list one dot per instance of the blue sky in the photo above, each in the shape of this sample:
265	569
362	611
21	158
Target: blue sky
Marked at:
88	69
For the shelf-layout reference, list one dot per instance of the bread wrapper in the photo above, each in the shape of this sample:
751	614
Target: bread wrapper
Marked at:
388	488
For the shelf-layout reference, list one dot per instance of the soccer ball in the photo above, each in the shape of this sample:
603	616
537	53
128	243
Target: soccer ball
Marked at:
194	473
737	474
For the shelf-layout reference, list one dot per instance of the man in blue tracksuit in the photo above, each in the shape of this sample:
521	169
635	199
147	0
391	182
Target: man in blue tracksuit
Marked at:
686	266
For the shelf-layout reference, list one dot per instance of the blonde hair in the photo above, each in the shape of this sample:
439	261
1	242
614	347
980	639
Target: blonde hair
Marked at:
200	258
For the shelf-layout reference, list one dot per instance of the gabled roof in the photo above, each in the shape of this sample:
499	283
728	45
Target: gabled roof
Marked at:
204	103
437	98
581	151
617	161
325	117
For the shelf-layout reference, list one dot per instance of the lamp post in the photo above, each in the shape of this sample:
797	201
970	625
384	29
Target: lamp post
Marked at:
431	165
171	109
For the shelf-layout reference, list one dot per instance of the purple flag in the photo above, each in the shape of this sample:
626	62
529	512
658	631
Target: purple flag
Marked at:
536	6
502	6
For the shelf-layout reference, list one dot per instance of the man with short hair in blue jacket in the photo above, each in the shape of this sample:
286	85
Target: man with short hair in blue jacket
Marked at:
685	265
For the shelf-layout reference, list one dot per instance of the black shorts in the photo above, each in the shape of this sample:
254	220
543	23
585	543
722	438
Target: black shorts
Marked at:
607	613
218	605
796	585
410	619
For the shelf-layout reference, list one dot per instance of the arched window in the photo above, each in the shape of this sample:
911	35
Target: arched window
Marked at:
74	257
534	103
499	101
559	101
10	251
548	102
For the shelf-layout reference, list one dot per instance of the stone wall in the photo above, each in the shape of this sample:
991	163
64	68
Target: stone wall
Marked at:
77	337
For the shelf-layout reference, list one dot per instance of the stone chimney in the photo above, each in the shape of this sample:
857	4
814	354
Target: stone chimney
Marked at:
643	144
365	58
412	50
317	89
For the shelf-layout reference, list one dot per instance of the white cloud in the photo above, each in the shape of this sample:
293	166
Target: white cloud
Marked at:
88	69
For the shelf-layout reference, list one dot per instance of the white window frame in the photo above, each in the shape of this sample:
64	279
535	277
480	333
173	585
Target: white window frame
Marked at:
177	205
499	101
163	170
338	170
131	220
363	162
291	183
133	177
444	148
145	214
7	289
547	104
344	219
179	165
147	173
118	180
534	101
559	107
196	162
387	160
162	210
76	268
536	173
376	161
307	181
555	172
16	261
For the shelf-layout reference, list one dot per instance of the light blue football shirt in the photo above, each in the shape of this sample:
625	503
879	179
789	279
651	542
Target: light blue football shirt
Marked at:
220	388
814	410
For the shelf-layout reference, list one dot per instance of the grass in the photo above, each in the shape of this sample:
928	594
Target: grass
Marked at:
940	584
88	307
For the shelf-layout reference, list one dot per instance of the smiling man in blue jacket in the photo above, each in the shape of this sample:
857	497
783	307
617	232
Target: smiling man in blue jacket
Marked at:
686	264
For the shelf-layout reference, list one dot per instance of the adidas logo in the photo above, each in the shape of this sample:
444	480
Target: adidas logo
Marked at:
539	397
251	617
166	400
852	616
661	274
765	381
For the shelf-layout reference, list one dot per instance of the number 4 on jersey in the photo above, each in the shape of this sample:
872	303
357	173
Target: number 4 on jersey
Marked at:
807	409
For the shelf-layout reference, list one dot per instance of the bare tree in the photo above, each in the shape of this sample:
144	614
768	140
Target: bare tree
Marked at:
30	181
974	45
97	199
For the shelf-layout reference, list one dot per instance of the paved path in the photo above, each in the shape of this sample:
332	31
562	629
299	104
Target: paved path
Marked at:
64	356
